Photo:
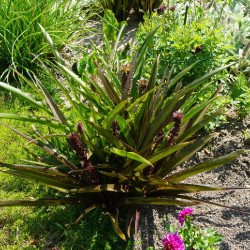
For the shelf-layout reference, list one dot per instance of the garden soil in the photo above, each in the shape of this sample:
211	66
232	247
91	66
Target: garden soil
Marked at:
233	225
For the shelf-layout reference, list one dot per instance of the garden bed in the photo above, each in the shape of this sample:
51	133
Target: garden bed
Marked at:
233	225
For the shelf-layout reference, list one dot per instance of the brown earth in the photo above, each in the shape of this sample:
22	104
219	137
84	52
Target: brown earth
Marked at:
233	225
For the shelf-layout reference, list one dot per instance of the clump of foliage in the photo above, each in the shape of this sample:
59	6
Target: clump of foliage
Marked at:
21	40
123	142
187	34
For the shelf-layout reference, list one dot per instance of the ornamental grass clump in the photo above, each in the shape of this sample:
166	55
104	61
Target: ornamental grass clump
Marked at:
121	148
21	39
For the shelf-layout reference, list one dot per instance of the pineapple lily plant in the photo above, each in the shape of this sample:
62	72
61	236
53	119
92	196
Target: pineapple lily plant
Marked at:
128	136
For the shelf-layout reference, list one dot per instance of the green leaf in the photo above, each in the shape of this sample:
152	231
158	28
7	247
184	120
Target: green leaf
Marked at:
44	202
185	154
211	203
178	77
153	201
198	81
204	166
191	131
52	45
142	52
26	97
98	188
130	155
35	119
162	154
170	228
115	223
58	115
107	134
111	116
47	149
108	87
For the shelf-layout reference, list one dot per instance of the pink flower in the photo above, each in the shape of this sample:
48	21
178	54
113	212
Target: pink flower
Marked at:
183	213
173	242
172	8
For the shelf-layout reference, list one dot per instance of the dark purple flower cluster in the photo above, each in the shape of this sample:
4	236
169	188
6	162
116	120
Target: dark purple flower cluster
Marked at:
161	9
80	128
75	142
177	116
77	146
197	49
115	128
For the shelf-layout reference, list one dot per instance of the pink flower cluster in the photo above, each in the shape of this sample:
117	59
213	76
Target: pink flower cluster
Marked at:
184	213
173	242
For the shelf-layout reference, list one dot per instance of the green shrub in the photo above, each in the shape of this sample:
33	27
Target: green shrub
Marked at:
130	137
21	39
186	35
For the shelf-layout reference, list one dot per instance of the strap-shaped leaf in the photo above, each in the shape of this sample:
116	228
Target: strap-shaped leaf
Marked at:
91	96
140	99
43	175
162	154
183	155
144	122
129	78
45	202
115	223
111	116
211	203
26	97
66	94
98	189
107	134
57	113
41	180
35	119
193	111
160	120
173	188
130	155
141	53
41	145
125	129
178	77
205	77
35	88
154	201
108	87
51	44
203	112
191	131
114	175
203	166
